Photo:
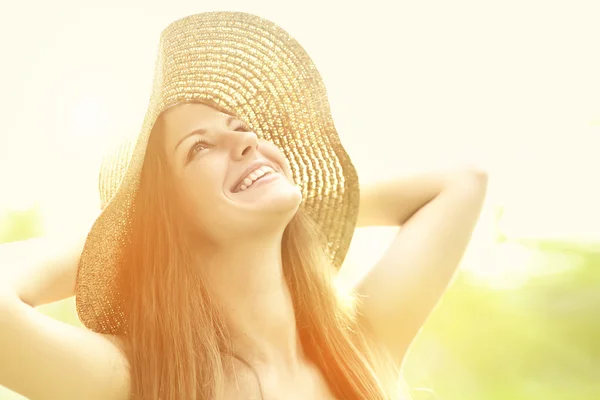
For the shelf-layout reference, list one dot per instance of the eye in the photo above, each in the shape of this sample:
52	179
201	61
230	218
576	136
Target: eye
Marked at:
242	127
199	145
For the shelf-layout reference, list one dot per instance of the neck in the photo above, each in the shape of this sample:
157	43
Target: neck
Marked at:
248	284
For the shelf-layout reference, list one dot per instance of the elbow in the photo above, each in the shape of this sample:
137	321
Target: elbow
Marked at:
474	173
473	179
478	174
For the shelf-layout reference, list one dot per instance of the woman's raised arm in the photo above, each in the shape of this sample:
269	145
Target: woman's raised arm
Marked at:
437	213
43	358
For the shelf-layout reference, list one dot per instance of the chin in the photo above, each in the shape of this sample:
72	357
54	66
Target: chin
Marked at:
274	210
284	201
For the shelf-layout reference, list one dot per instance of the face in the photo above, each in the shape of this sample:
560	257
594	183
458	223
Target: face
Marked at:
213	159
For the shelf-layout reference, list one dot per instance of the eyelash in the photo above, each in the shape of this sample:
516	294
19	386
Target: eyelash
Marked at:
240	128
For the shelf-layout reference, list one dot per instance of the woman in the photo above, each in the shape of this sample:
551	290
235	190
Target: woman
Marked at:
209	273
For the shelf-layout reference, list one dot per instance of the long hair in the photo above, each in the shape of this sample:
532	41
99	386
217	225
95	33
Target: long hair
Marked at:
177	344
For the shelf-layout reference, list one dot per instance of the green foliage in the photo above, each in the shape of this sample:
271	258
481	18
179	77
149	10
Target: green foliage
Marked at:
535	342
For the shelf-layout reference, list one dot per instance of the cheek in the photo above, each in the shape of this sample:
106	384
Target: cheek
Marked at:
185	198
200	188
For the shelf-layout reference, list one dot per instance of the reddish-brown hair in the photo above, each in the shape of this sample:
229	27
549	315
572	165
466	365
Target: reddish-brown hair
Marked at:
177	344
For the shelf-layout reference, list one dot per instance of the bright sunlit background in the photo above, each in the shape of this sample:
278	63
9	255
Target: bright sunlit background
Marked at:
512	85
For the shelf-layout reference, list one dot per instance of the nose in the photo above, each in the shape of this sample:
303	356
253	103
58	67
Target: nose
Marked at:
246	144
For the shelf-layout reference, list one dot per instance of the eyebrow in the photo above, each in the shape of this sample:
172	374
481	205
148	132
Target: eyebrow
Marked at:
201	131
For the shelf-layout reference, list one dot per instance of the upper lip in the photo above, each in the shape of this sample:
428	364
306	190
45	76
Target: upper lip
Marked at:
251	167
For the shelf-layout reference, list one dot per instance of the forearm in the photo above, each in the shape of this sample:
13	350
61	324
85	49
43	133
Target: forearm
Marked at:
394	202
430	245
39	271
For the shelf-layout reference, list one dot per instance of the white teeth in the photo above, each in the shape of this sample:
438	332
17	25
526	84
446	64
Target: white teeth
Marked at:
247	182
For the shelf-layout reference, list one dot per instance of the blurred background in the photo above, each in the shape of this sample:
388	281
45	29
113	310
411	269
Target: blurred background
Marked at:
512	86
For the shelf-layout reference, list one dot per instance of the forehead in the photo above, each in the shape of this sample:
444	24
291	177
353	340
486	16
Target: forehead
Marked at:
178	121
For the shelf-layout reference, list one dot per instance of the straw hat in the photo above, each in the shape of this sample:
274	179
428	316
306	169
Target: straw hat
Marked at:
246	66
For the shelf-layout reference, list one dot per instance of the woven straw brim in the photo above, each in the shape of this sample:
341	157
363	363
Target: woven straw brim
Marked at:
249	67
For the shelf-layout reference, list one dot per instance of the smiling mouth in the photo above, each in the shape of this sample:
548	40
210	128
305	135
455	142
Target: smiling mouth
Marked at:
255	176
244	188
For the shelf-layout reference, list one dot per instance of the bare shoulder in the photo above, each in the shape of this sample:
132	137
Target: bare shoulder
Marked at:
47	359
